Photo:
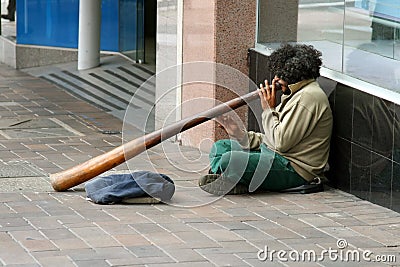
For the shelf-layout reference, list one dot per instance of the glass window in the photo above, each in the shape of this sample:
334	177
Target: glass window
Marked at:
358	38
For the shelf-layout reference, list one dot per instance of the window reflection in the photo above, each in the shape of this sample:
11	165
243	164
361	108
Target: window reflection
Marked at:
359	38
370	49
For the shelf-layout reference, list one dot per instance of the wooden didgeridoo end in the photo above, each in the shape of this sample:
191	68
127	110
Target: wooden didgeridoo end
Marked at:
83	172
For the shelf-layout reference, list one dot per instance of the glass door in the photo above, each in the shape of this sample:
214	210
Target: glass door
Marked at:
131	28
140	28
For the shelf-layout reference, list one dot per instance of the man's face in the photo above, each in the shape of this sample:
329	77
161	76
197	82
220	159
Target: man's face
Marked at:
284	86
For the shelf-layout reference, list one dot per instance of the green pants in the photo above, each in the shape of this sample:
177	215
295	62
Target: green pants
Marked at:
271	171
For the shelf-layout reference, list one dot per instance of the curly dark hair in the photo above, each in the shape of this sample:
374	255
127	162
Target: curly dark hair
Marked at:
294	63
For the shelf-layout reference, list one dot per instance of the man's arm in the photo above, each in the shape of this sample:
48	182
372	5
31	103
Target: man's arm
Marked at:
285	130
236	130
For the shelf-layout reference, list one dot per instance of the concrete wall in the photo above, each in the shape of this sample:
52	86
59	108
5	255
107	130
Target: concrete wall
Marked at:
219	31
167	61
283	15
26	56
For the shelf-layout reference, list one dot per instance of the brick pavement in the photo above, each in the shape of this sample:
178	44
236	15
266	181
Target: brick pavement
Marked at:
40	227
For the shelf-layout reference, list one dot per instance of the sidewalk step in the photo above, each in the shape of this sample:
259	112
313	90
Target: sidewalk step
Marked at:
112	86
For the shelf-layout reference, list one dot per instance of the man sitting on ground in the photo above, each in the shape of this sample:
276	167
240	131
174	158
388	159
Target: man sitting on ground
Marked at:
294	149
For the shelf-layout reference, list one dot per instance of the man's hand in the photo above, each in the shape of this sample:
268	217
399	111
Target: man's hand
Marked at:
267	94
234	128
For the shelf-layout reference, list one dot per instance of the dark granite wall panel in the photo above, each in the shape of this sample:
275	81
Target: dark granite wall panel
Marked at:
339	172
381	181
252	58
363	118
360	172
258	73
366	124
253	74
383	127
365	145
396	187
343	109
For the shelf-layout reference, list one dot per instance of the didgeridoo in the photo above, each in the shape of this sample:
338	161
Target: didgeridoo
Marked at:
85	171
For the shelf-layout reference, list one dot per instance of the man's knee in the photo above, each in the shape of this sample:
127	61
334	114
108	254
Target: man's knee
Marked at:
223	146
234	159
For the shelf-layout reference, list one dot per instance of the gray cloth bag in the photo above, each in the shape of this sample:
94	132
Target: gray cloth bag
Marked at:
116	188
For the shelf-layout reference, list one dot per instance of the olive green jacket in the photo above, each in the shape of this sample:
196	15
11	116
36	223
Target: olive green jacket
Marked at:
299	129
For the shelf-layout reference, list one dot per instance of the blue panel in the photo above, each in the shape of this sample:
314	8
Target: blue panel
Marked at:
48	23
387	9
109	36
56	23
128	25
364	4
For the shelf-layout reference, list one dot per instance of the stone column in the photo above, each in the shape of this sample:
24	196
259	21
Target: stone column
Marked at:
89	34
219	31
168	59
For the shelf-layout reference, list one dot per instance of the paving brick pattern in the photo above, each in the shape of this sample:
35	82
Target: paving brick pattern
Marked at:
40	227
